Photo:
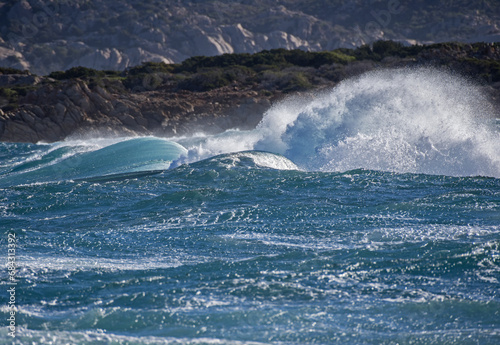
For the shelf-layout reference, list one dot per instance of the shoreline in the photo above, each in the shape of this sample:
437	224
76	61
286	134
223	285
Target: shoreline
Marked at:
209	94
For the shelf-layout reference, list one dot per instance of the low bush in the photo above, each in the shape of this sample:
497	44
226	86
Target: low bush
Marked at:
77	72
275	58
205	81
149	67
8	70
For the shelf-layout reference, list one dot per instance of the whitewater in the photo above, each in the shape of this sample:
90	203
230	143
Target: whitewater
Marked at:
364	214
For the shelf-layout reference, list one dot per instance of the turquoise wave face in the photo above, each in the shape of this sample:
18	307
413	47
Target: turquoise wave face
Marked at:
73	161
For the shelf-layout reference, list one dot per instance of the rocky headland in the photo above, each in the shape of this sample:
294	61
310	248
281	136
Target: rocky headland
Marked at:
207	94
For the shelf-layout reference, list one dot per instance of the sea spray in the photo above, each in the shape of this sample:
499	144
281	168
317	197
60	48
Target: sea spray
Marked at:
421	121
402	120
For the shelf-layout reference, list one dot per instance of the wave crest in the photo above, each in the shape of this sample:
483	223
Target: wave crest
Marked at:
418	121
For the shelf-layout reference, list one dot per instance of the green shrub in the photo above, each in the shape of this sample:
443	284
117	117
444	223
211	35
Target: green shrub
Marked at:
205	81
8	99
275	58
382	49
488	69
386	48
150	67
77	72
8	70
239	74
288	80
316	59
296	82
364	53
8	93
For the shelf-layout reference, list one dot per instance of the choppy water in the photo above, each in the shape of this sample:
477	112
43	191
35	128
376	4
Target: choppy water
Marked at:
369	215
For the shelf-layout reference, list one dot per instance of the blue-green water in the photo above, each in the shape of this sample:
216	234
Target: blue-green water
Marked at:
353	218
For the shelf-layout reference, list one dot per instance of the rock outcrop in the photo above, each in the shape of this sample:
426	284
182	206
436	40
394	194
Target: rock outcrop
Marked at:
54	112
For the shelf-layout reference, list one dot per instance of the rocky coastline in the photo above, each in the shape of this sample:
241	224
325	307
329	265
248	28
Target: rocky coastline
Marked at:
207	95
53	113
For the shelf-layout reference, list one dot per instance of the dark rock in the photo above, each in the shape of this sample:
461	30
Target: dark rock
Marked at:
18	79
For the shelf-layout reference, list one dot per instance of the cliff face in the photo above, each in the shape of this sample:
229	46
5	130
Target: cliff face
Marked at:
47	35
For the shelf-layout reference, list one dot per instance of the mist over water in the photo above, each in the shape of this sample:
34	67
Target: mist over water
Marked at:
404	120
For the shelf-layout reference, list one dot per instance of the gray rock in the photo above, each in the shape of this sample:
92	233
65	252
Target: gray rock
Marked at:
287	41
14	130
9	57
128	120
205	44
18	79
105	59
28	117
22	9
242	40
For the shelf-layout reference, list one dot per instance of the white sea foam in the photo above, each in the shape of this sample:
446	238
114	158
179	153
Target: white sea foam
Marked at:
103	337
261	159
72	264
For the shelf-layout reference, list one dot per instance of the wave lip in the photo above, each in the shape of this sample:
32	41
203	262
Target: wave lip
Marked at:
259	159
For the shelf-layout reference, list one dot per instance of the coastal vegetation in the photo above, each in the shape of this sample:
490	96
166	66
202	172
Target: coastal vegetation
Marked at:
292	70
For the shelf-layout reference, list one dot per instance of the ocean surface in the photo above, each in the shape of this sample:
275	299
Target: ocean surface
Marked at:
368	214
